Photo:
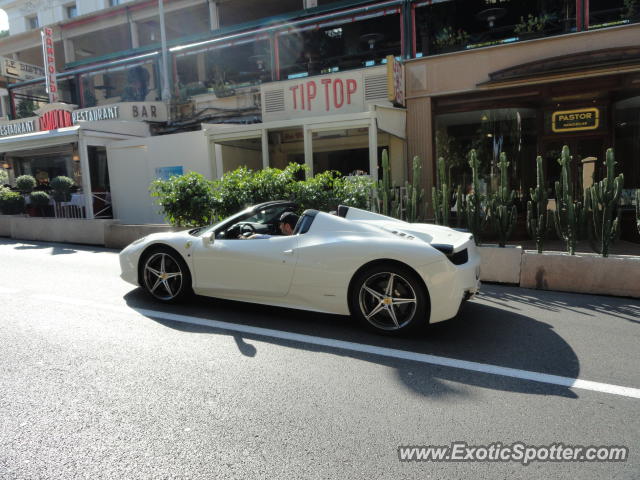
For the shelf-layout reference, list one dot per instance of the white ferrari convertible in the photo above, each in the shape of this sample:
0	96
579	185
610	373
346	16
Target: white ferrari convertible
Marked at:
391	275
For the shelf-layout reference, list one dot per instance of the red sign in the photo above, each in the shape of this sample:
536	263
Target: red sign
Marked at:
334	94
49	55
55	119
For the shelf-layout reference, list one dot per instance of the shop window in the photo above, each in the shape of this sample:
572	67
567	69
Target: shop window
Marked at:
345	151
223	69
28	99
130	83
461	24
627	140
609	13
489	132
354	42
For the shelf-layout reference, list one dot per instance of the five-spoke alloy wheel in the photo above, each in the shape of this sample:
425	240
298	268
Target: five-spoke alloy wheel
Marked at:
389	299
165	276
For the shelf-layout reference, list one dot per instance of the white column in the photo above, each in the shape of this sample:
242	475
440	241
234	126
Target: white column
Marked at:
214	15
86	177
135	37
308	151
373	149
218	156
69	50
265	148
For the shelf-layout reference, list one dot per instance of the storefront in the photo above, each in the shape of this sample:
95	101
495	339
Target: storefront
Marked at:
528	99
64	141
336	122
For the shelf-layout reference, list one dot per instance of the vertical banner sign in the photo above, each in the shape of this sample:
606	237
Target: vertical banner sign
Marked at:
49	55
395	81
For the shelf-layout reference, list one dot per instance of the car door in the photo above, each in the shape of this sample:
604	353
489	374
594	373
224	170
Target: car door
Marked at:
258	267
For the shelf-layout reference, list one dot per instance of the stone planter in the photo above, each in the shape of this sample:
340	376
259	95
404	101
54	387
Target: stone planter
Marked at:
66	230
500	264
583	273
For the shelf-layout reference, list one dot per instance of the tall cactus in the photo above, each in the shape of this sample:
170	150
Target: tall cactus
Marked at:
475	214
568	216
602	200
503	212
537	214
441	195
461	207
414	194
384	195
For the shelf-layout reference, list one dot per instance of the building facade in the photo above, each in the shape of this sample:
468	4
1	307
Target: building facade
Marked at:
257	76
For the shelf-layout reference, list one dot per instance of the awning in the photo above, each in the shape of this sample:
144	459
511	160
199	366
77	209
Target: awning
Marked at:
30	141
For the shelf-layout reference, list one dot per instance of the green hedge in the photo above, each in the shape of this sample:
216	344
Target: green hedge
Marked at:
192	200
11	203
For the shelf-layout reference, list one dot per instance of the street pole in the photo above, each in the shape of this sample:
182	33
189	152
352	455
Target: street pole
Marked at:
166	94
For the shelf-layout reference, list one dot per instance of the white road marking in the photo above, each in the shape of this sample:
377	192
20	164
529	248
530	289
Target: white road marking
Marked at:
358	347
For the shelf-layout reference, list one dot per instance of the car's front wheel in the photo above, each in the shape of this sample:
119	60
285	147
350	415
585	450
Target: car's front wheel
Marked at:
165	275
390	299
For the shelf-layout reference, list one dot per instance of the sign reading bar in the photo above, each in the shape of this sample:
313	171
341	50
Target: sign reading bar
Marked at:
49	55
575	120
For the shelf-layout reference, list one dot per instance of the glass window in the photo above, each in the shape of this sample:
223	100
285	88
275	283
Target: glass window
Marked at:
127	83
72	11
460	24
28	99
345	44
32	22
609	13
489	132
627	139
113	3
223	69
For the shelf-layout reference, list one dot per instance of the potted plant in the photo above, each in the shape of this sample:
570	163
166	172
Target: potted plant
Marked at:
532	27
11	203
449	40
40	203
61	187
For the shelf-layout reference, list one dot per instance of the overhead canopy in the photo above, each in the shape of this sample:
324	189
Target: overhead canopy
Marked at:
30	141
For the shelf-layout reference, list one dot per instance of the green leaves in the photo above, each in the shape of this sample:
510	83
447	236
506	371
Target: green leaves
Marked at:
192	200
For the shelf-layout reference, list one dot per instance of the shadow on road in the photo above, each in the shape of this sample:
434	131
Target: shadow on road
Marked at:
482	333
56	248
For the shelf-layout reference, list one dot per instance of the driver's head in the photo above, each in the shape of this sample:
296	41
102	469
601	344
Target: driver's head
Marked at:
288	222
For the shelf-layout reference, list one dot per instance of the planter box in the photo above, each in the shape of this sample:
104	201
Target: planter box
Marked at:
119	236
583	273
66	230
6	225
500	264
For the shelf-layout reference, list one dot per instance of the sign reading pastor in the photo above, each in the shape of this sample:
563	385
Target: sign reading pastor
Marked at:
575	120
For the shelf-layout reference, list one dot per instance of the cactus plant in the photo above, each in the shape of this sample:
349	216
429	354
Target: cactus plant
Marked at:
441	195
602	200
461	207
537	214
414	195
476	217
384	195
503	212
569	214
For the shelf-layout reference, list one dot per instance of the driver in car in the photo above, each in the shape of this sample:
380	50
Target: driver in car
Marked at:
287	223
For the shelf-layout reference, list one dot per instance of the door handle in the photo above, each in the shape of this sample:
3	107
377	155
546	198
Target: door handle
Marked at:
288	252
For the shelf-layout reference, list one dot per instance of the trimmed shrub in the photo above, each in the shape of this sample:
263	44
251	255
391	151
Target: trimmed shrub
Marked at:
185	200
39	199
11	203
61	188
25	183
4	177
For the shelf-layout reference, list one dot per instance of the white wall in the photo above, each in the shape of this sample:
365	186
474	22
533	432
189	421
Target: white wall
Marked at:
132	165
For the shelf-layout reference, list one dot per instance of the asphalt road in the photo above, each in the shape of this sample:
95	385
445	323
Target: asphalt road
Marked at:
92	386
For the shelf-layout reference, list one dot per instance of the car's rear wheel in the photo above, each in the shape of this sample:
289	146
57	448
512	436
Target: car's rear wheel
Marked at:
390	299
165	275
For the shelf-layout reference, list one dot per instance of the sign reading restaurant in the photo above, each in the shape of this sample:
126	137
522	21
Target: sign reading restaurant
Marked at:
54	116
575	120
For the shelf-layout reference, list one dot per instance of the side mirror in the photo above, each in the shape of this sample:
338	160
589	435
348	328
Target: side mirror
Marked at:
208	239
